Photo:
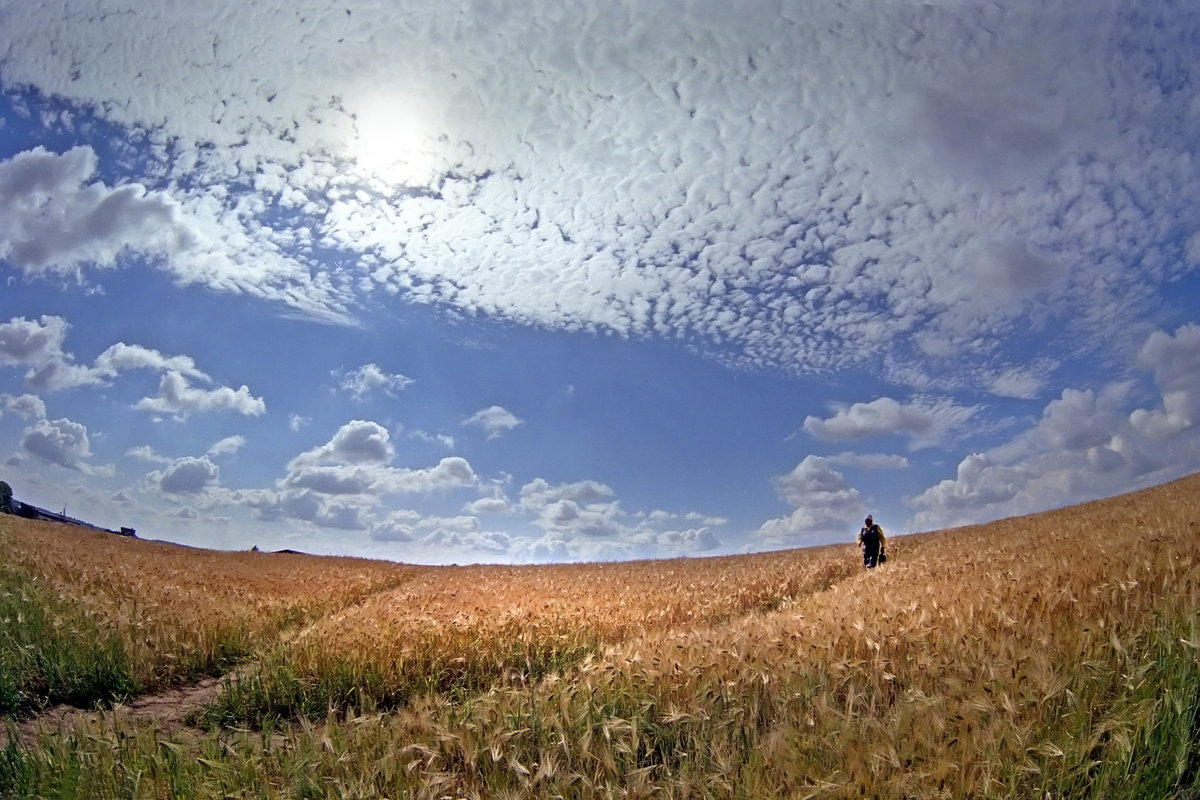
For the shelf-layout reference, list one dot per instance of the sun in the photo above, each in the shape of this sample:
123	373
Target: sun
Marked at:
391	141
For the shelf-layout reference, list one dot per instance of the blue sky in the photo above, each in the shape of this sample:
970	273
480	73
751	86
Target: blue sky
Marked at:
533	282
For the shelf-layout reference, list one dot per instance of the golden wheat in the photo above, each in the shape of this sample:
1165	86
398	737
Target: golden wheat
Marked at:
168	601
1028	657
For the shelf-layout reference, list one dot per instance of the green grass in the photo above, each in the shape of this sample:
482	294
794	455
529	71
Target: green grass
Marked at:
1138	735
278	689
51	653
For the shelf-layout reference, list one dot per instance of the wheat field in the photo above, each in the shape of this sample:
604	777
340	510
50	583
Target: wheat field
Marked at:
1049	656
178	612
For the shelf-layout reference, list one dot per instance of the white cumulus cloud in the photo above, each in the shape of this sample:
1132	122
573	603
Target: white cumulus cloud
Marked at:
186	476
59	441
925	422
56	218
25	341
823	502
178	398
27	405
1088	443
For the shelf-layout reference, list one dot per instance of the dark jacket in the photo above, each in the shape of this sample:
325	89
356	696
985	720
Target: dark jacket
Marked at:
872	538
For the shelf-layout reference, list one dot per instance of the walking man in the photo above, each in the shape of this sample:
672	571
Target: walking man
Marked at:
871	540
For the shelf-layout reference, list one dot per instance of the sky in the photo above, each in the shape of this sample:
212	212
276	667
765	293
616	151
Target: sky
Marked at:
538	281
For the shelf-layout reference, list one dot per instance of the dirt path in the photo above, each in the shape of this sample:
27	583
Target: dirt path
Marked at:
169	709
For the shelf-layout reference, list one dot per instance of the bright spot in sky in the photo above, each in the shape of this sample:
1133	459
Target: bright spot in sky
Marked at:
391	140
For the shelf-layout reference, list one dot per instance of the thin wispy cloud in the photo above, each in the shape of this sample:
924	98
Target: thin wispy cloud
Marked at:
368	378
493	420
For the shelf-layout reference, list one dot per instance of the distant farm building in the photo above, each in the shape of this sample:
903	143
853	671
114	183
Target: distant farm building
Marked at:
10	505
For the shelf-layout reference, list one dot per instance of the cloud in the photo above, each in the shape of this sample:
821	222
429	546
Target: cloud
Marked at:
440	439
869	460
1088	443
813	478
341	515
493	542
360	442
356	442
60	220
585	521
322	512
641	541
339	479
343	483
27	405
490	505
186	476
570	519
462	522
58	373
447	535
227	446
982	131
1175	364
355	461
741	187
823	502
539	493
397	526
1079	419
178	398
1017	383
56	370
370	377
495	420
305	506
551	548
352	462
24	341
40	344
980	482
60	441
453	472
925	422
694	540
121	356
56	221
146	453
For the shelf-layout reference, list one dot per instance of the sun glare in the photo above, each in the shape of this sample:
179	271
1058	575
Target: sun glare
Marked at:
391	141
